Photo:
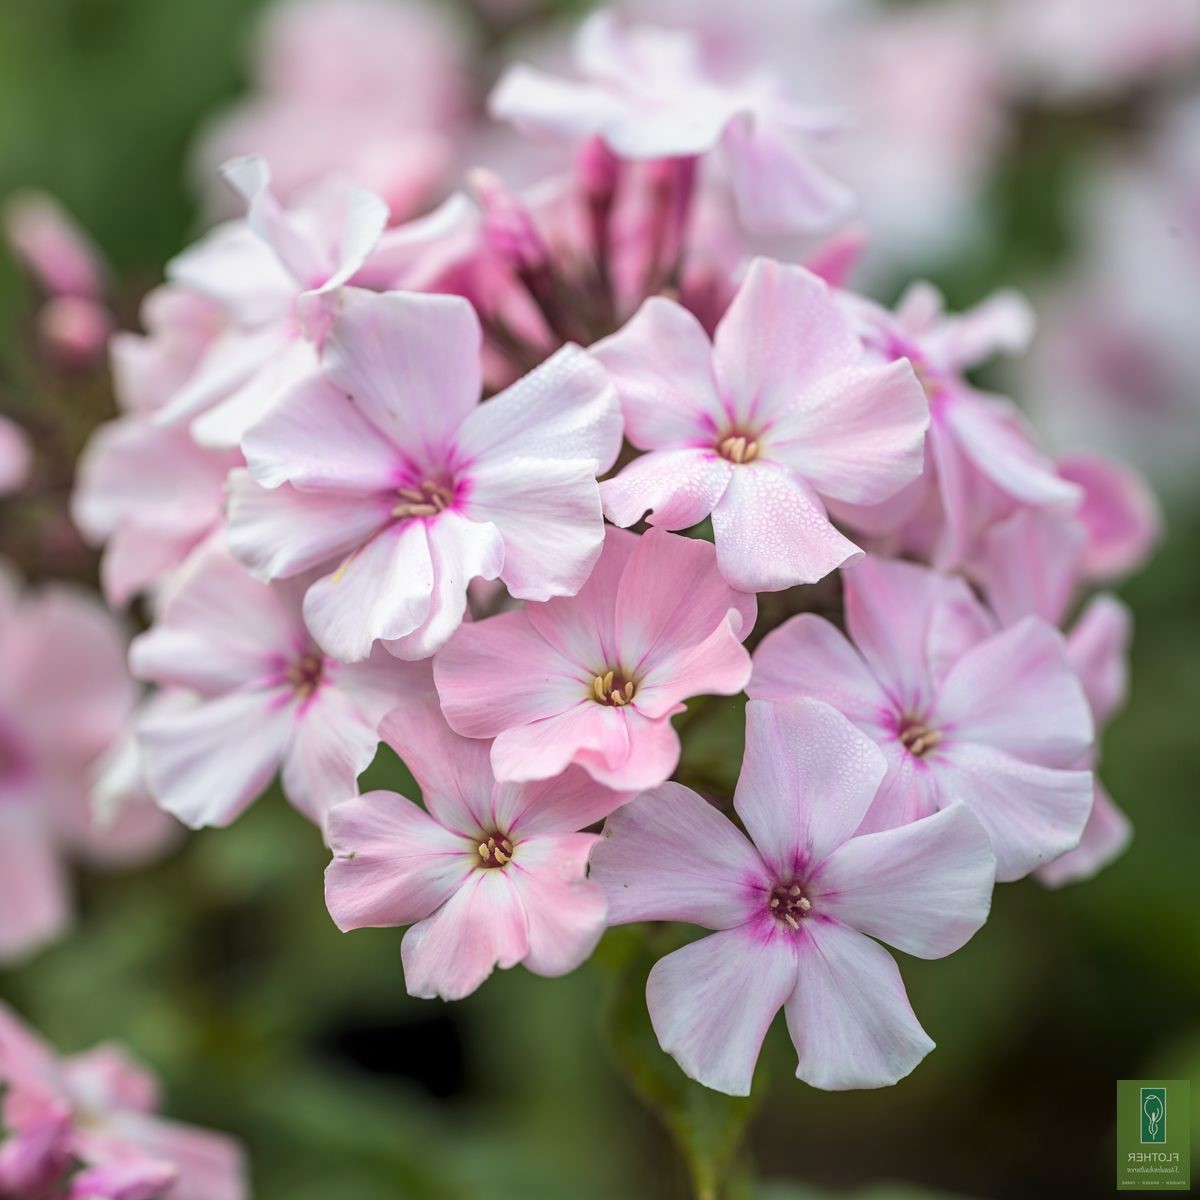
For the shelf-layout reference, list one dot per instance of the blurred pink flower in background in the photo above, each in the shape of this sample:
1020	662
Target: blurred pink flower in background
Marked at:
74	321
601	673
647	94
263	698
963	710
16	457
377	90
781	411
86	1127
488	874
795	905
66	697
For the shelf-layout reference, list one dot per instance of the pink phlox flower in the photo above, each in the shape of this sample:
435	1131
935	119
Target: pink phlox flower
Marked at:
98	1109
388	477
795	905
963	709
487	874
260	698
594	679
646	92
782	411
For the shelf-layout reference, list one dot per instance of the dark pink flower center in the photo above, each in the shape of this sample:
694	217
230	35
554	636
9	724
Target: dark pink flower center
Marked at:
426	499
917	737
614	688
738	446
306	673
789	904
495	850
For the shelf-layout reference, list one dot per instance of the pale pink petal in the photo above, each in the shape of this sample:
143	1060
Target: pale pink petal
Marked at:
782	336
365	220
719	666
859	437
460	550
280	532
780	187
382	591
925	888
661	365
549	516
564	409
482	926
481	692
1031	564
409	362
678	487
138	1179
909	790
540	104
393	864
1106	836
849	1016
808	778
808	656
896	613
1098	649
210	762
564	909
772	532
315	439
331	746
712	1002
219	629
1016	692
1119	512
209	1165
671	598
564	804
671	856
998	443
35	906
224	425
233	267
454	773
1002	324
582	628
593	735
1032	813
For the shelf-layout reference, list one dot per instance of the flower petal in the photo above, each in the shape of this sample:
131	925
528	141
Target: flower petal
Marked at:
661	364
1016	692
858	437
772	532
564	409
1098	650
671	856
808	778
410	363
712	1002
482	926
924	888
564	909
382	591
1032	813
35	906
808	656
782	336
678	487
849	1016
393	864
281	532
1105	837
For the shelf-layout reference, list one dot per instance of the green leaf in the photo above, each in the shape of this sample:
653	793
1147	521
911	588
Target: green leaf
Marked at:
707	1126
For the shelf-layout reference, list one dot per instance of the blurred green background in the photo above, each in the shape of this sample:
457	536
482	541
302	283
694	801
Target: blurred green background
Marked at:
221	968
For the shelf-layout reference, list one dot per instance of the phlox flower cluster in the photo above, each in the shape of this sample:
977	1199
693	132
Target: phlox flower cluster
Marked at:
512	484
